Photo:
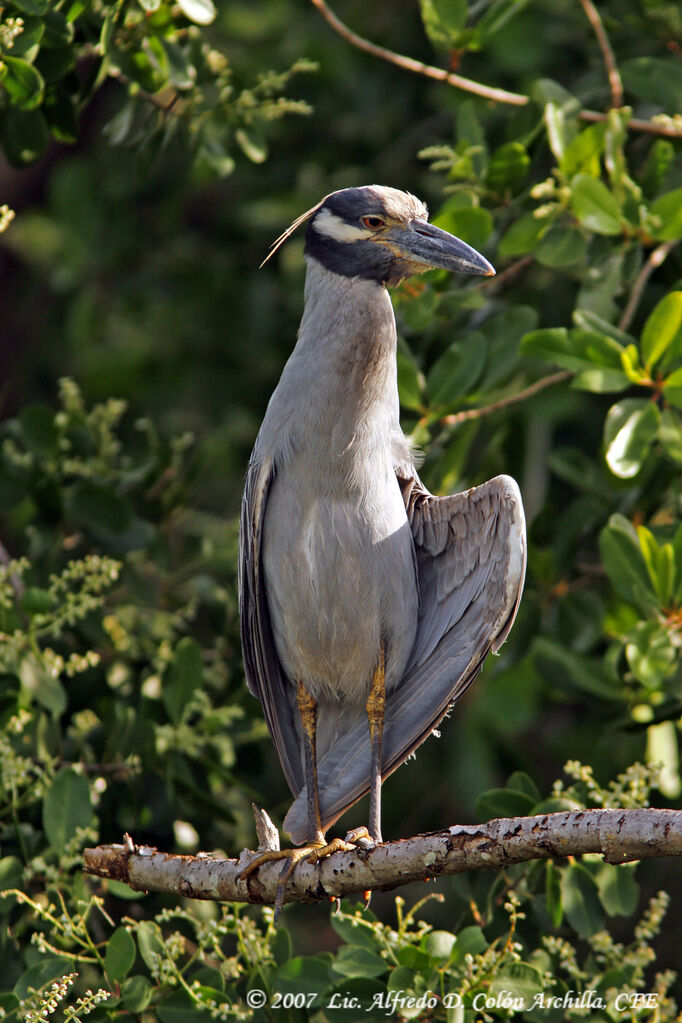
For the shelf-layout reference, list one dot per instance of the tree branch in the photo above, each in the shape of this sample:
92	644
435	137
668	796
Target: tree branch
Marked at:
668	127
416	66
612	71
619	835
513	399
656	257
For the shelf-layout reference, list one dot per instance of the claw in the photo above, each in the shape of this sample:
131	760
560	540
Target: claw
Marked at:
309	853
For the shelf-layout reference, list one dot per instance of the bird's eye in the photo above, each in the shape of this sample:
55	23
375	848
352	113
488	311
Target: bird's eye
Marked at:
373	223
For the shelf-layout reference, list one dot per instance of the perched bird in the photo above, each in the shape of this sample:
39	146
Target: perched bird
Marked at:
367	604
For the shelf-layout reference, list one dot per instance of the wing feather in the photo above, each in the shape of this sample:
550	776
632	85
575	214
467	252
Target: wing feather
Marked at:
471	557
265	676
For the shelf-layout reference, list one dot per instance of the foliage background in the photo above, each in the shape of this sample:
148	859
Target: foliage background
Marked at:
139	345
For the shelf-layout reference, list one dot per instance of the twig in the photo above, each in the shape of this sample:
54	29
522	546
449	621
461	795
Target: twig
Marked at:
669	130
419	68
612	71
513	399
161	105
656	257
509	272
619	835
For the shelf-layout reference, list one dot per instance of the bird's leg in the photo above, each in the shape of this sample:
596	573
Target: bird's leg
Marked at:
307	708
318	848
376	709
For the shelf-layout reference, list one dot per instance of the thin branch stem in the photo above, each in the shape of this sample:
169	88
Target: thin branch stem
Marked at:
656	257
612	71
456	418
668	128
416	66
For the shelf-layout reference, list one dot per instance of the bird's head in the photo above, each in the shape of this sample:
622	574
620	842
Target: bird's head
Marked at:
381	234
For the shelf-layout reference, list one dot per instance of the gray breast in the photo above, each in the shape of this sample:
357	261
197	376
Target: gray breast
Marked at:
340	577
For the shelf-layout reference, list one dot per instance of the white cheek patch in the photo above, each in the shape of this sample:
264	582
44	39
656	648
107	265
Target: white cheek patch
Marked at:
328	224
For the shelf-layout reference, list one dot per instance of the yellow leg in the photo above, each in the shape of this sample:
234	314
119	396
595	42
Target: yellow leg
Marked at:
307	709
376	710
318	848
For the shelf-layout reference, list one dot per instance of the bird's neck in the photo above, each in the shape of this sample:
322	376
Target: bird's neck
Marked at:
337	400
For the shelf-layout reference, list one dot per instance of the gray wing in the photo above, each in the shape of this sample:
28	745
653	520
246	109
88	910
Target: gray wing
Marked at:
471	557
264	674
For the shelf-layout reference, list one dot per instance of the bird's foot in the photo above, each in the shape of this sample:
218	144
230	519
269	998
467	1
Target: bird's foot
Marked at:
312	853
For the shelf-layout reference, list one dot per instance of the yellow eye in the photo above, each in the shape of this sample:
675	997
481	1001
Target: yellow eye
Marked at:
373	223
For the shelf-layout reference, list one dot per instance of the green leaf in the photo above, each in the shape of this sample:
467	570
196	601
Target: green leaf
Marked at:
178	1007
181	70
150	944
661	327
470	223
66	808
503	803
470	941
519	781
672	388
583	154
120	954
37	7
562	245
496	16
354	930
650	654
508	167
252	144
629	431
588	320
522	236
358	961
23	134
410	381
303	974
452	14
439	944
11	871
518	981
595	206
618	890
23	85
457	370
48	969
660	563
201	12
668	210
580	897
655	80
622	558
670	434
40	685
184	676
555	121
632	367
573	671
596	357
662	748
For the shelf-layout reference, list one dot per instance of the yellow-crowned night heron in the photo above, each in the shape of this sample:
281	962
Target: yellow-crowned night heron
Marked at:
367	604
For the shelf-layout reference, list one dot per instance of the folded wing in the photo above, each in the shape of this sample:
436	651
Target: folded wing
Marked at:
264	674
471	557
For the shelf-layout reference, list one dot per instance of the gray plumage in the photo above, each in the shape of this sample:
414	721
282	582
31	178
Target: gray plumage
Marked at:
341	546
